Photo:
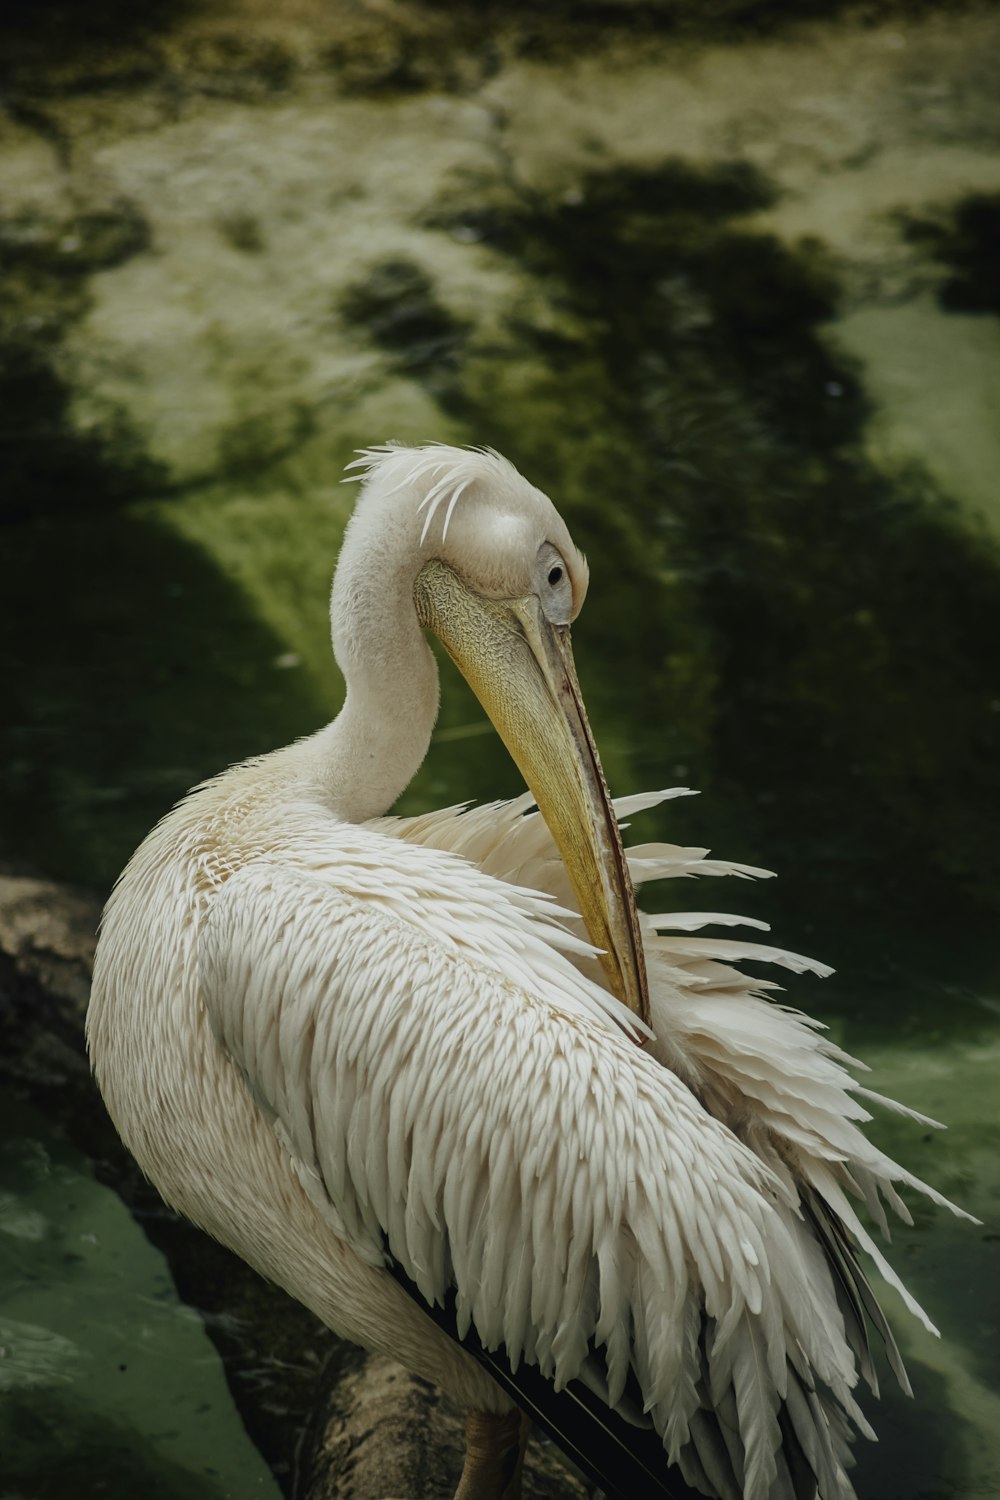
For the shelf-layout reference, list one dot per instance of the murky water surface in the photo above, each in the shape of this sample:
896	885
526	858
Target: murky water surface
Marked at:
108	1383
780	614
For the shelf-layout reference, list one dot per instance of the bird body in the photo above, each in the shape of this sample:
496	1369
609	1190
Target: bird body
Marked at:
365	1051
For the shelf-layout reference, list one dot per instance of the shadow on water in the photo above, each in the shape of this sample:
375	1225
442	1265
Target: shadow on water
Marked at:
143	672
793	620
966	243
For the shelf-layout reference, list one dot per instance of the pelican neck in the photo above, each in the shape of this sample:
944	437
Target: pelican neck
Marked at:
377	743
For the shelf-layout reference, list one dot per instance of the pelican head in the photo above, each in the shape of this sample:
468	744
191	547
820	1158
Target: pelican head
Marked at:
494	574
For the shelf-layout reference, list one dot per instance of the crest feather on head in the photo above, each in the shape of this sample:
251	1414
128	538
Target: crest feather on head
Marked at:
453	470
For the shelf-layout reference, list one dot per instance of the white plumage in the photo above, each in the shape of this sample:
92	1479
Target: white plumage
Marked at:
333	1038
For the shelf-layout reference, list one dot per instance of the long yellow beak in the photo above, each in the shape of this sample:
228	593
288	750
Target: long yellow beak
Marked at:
521	669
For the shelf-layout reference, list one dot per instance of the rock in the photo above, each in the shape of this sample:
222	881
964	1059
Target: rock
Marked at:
48	933
388	1433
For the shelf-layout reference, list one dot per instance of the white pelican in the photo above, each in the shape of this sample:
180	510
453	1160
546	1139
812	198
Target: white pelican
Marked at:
378	1058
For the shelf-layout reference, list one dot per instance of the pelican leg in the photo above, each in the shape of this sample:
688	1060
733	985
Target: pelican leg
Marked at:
494	1455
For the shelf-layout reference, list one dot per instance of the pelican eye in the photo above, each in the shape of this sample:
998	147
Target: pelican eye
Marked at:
553	586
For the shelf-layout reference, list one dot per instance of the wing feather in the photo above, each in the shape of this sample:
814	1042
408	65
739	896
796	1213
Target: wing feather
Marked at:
399	1058
416	1008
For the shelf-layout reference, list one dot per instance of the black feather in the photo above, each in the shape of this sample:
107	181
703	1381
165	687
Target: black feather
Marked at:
623	1459
842	1255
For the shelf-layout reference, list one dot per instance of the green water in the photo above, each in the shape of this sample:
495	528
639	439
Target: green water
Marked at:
108	1383
807	636
929	1028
